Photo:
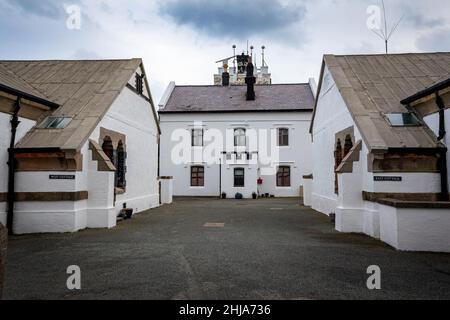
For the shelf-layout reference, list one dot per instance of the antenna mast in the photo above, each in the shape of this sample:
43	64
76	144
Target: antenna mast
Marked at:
385	34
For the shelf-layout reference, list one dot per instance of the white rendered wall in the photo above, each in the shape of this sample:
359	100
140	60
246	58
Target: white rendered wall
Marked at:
352	213
5	137
416	229
332	116
297	155
166	191
132	116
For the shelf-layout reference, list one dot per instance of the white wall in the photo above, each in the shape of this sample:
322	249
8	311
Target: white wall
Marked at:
332	116
131	115
352	213
416	229
297	155
5	137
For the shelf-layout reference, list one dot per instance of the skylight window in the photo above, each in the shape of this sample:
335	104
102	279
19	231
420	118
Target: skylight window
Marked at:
55	123
403	119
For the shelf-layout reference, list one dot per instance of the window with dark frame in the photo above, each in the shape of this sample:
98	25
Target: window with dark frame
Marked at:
338	157
240	137
121	166
197	176
283	137
139	83
239	178
197	137
284	176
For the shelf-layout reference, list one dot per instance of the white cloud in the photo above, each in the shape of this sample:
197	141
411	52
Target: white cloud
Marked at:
185	54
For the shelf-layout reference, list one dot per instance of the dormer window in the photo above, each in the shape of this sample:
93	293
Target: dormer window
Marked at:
139	83
55	123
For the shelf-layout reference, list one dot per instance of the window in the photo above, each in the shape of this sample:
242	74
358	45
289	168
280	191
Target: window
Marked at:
402	119
348	145
240	138
197	137
55	123
108	148
239	178
121	166
283	137
197	176
139	83
337	161
284	177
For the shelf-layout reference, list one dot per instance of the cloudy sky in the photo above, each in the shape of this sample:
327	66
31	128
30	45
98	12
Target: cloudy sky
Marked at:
180	40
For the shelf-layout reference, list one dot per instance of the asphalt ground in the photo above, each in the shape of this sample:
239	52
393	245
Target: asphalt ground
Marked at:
221	249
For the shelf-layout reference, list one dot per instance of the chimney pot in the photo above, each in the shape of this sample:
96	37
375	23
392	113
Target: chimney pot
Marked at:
250	80
225	79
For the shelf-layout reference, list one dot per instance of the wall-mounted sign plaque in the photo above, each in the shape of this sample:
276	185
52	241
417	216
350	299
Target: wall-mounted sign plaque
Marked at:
61	177
388	179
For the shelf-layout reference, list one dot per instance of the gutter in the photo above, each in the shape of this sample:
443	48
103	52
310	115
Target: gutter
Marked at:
29	97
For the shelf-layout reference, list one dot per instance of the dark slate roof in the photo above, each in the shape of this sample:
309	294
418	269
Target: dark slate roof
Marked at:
277	97
84	90
372	85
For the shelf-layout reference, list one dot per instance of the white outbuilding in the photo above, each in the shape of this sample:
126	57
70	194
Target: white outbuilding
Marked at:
380	148
79	142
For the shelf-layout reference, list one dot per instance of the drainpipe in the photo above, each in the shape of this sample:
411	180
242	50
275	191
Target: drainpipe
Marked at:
12	167
443	153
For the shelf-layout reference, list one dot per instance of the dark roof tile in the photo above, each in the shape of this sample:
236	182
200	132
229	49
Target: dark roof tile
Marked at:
279	97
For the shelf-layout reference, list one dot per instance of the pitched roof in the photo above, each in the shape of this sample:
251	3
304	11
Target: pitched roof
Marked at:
373	85
13	84
278	97
84	90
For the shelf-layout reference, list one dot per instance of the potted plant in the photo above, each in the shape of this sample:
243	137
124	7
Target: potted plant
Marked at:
255	196
239	196
224	195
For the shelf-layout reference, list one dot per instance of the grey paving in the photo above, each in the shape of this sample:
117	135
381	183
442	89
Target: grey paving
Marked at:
268	249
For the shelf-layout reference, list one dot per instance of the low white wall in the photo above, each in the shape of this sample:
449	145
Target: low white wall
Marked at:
415	229
166	191
49	217
307	192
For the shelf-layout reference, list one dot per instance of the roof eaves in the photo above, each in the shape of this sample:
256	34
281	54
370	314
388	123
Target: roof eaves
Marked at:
28	96
424	93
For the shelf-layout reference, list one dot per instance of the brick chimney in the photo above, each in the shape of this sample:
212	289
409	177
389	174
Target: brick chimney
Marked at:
250	80
225	76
